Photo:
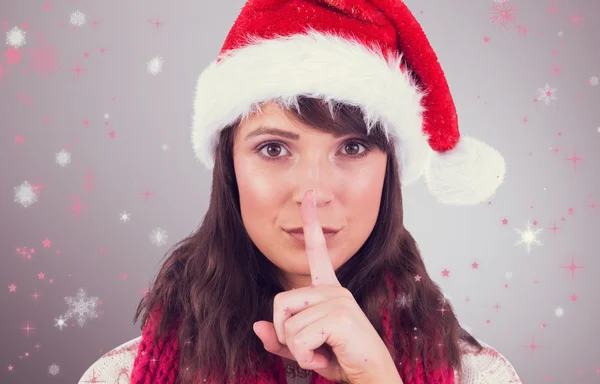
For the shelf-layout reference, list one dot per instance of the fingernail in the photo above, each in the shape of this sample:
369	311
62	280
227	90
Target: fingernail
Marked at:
314	198
254	327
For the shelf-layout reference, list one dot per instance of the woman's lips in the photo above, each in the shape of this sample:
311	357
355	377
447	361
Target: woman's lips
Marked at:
299	236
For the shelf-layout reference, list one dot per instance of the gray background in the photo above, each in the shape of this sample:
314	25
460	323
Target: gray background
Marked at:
495	86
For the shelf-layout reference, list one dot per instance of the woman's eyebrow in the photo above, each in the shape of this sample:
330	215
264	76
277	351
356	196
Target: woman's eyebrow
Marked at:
266	130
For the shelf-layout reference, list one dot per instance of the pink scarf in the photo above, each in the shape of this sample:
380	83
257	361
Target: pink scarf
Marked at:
159	363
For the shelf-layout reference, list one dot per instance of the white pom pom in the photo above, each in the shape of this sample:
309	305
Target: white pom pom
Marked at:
466	175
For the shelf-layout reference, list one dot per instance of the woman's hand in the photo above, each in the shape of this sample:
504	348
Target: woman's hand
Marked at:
312	322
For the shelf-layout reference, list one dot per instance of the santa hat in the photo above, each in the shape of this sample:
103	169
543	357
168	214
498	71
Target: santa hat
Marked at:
372	54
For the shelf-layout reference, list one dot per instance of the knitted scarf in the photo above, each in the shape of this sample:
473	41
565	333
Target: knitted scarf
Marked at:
160	363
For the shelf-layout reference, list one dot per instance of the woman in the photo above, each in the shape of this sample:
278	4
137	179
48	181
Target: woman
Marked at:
306	103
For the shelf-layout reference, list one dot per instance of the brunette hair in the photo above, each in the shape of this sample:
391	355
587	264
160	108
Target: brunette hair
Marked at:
216	283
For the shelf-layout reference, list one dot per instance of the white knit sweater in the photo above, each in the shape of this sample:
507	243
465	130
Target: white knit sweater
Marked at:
486	367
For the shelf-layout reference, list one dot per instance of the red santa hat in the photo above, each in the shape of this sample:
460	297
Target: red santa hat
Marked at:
372	54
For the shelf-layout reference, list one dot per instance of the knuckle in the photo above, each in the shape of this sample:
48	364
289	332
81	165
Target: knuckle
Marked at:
344	316
288	328
278	298
298	342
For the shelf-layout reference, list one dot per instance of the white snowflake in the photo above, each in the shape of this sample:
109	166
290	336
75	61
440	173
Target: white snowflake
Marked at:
77	18
528	237
53	369
500	1
403	300
25	194
60	322
81	307
106	115
546	94
15	37
158	237
124	217
508	275
155	65
165	147
561	33
559	312
63	158
594	81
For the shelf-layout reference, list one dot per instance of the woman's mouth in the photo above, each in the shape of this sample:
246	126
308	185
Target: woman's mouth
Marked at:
298	237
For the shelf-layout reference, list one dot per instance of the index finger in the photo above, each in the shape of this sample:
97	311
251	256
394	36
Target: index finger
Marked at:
319	262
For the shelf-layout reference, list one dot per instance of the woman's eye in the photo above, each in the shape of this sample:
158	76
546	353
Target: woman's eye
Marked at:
273	150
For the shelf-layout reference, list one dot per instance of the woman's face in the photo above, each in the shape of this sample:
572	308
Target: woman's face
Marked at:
273	178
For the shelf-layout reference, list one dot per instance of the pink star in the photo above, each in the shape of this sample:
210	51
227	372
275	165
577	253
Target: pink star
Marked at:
47	6
19	139
112	134
504	221
445	272
475	265
41	275
417	278
47	243
12	287
13	55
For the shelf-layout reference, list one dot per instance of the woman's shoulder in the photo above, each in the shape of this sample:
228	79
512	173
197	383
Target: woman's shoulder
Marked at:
485	366
114	366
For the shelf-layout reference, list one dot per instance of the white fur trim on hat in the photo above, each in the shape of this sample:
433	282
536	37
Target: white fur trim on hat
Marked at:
319	65
465	175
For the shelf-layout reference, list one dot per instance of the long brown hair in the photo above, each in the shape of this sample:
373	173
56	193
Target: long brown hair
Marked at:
216	283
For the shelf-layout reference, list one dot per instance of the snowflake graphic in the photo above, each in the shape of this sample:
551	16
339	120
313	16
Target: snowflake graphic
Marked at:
559	312
546	94
403	300
44	60
155	65
164	147
15	37
60	322
25	194
503	14
77	18
81	307
124	217
53	369
508	275
528	237
63	158
593	81
158	237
